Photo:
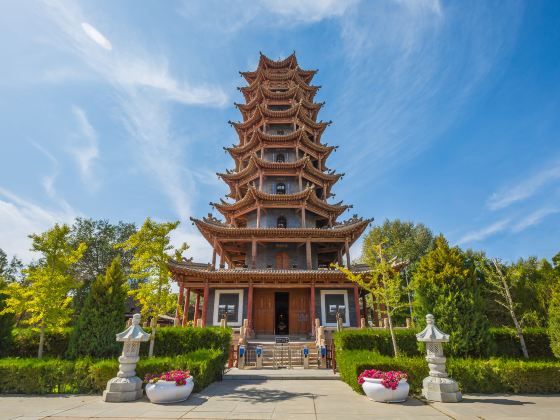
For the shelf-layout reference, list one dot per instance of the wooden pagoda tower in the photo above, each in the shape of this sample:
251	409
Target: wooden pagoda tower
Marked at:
279	234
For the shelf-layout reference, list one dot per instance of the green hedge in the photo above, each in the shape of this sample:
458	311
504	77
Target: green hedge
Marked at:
25	342
496	375
536	340
507	343
170	341
378	340
47	376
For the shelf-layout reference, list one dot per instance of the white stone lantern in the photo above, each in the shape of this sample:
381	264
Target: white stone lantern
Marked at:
438	386
127	386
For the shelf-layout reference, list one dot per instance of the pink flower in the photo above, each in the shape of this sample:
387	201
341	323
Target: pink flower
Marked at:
389	380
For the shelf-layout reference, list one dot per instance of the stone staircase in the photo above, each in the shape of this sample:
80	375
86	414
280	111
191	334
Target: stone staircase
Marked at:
281	356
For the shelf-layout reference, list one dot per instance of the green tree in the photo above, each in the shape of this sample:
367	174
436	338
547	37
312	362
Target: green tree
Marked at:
6	321
10	270
100	236
498	277
554	309
403	240
383	281
47	297
446	285
151	252
102	315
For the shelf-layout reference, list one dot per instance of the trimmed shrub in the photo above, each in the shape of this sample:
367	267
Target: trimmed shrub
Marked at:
473	375
505	339
507	343
55	376
173	341
170	341
378	340
26	342
554	317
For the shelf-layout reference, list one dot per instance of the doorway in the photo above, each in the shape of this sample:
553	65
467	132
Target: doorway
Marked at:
282	313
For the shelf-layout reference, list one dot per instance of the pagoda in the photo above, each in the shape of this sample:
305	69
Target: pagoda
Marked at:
279	234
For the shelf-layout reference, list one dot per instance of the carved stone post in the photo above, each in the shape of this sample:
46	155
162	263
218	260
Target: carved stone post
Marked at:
438	386
127	386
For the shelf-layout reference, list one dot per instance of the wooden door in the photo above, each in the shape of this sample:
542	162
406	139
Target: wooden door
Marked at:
263	311
282	261
299	311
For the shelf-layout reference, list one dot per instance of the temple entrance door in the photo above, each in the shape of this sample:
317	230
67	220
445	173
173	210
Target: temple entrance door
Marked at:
282	261
299	311
263	311
282	313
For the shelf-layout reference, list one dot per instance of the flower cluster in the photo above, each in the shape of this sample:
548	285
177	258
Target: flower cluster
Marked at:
389	380
178	376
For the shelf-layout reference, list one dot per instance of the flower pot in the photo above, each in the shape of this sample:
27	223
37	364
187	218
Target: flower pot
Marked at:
164	392
376	391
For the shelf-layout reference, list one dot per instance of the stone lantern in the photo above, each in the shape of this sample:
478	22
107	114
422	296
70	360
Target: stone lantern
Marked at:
127	386
437	386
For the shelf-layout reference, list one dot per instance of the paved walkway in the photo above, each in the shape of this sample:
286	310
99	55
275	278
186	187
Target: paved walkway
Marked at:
278	399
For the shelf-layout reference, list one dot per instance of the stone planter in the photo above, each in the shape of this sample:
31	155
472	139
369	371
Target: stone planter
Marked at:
164	392
374	390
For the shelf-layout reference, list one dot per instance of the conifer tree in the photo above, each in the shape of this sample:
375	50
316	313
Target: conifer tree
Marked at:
446	285
102	315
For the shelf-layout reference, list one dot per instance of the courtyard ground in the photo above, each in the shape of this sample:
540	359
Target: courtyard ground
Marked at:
279	399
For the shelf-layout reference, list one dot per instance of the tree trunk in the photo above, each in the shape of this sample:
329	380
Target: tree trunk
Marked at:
41	342
152	337
393	338
520	335
512	311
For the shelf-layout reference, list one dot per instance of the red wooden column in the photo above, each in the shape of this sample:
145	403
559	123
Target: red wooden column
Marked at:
312	308
308	254
357	304
178	308
186	307
253	253
196	306
205	304
250	307
347	250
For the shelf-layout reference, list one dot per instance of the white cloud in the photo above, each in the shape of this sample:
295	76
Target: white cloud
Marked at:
481	234
88	151
19	218
524	189
96	36
309	10
144	88
533	219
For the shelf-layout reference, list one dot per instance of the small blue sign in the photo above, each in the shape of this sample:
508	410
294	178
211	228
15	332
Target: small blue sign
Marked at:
241	351
323	351
305	352
259	351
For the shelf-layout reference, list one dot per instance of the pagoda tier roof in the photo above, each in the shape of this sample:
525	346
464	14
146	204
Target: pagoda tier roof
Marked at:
298	137
212	228
294	92
298	117
194	276
278	74
292	89
291	77
306	198
303	166
248	108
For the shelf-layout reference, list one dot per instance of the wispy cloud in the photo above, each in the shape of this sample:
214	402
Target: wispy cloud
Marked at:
19	218
88	150
309	10
145	88
96	36
485	232
533	218
524	189
397	106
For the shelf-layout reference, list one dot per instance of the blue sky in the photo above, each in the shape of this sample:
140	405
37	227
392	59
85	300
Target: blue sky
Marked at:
446	113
